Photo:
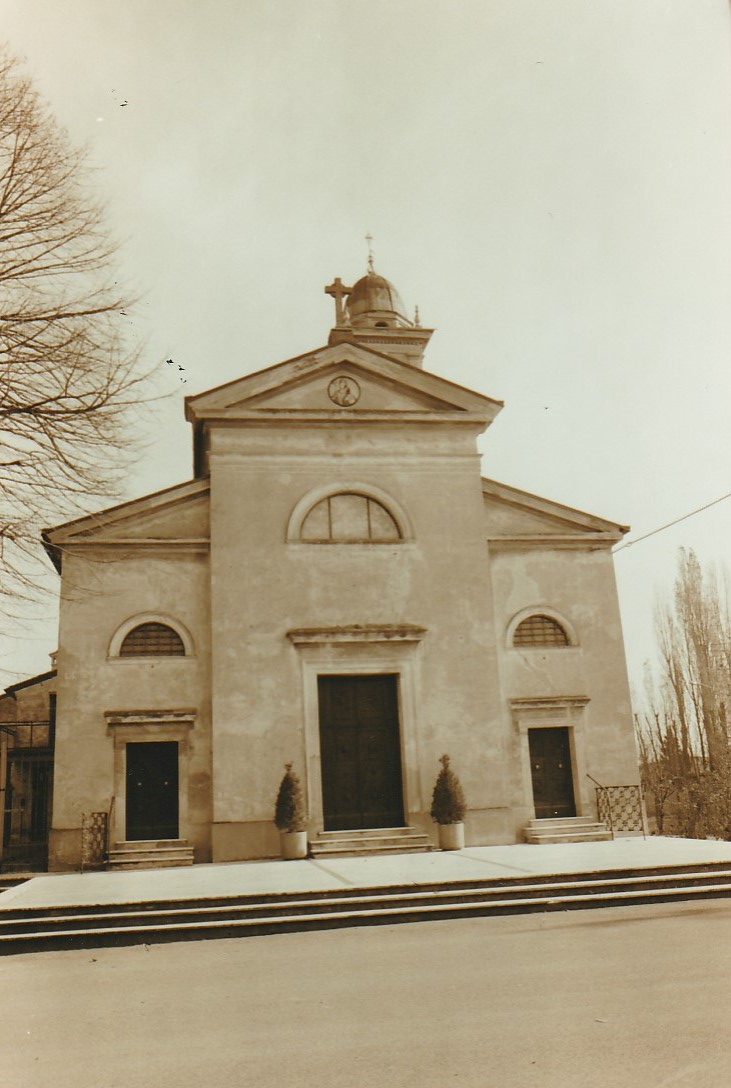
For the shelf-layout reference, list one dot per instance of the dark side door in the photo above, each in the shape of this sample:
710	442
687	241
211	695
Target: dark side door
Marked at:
550	762
152	790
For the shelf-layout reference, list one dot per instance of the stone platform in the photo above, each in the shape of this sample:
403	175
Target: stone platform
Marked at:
274	896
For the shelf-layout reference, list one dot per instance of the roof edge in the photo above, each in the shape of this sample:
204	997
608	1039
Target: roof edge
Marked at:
514	495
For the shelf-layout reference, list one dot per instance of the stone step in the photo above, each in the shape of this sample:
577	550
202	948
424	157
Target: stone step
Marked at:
12	880
27	929
359	833
567	829
381	840
366	851
557	838
563	821
172	852
316	904
370	839
134	845
147	863
149	854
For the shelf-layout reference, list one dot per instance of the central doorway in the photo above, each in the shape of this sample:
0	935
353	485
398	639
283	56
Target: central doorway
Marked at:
360	752
550	762
152	790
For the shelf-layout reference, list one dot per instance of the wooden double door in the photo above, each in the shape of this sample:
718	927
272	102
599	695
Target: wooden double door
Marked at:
152	790
551	772
360	752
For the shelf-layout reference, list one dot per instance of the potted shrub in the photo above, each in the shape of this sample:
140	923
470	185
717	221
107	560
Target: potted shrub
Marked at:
290	816
448	807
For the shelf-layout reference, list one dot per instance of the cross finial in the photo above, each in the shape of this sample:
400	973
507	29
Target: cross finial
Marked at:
338	291
369	240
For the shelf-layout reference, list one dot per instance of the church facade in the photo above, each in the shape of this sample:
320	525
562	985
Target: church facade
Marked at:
337	587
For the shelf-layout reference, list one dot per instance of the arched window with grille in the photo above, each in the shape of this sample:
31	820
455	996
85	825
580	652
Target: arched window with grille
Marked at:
152	639
349	517
540	630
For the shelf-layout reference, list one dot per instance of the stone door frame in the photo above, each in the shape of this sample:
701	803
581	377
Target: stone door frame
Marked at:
141	726
550	712
360	651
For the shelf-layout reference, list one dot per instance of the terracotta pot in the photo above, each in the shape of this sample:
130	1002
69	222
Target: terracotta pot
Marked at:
451	836
293	844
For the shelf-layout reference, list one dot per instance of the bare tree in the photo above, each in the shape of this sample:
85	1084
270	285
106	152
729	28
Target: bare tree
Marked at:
67	376
684	731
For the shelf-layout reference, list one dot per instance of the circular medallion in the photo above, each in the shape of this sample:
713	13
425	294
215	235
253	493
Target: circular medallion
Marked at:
344	392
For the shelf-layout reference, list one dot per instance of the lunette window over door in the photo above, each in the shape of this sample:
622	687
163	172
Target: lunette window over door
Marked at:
349	517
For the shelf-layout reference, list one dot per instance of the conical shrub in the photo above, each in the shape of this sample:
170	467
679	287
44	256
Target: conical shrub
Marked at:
448	804
289	811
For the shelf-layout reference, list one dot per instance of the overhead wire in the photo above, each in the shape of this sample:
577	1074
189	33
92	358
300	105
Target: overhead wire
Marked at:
669	525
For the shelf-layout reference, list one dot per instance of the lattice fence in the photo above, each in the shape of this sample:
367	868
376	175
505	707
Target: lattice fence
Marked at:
93	840
620	808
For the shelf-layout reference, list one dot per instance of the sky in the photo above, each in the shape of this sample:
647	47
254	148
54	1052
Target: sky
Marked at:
548	180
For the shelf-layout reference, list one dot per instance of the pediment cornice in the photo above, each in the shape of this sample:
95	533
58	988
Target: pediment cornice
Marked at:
548	523
133	523
272	393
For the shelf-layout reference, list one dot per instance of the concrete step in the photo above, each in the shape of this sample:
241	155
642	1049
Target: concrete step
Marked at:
86	926
12	880
149	854
569	829
133	845
558	837
367	851
379	840
563	821
364	833
115	866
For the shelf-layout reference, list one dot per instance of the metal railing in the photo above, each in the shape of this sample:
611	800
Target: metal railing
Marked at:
94	832
110	823
620	807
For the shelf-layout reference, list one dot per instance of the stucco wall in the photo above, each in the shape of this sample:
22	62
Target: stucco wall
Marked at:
287	610
579	586
28	704
264	586
103	589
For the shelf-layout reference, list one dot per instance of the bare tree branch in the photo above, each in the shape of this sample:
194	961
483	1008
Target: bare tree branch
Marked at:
68	377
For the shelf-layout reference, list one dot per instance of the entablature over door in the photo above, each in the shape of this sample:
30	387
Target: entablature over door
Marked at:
127	725
357	633
547	711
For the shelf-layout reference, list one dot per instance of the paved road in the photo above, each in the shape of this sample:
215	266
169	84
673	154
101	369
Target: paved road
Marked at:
617	997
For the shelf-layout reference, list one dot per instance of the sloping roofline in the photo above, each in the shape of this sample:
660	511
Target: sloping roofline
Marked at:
120	512
515	497
330	349
12	688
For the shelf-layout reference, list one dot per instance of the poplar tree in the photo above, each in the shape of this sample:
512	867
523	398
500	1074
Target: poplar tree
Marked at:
683	732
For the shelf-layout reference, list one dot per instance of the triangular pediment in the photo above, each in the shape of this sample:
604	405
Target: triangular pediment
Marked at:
513	516
346	385
339	378
178	514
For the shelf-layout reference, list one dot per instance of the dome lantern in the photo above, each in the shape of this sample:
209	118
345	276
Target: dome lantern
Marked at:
371	313
375	302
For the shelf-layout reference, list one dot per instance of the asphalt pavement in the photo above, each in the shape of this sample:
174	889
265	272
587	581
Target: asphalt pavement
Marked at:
612	998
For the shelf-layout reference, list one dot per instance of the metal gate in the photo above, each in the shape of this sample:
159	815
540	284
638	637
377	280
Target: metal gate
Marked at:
26	796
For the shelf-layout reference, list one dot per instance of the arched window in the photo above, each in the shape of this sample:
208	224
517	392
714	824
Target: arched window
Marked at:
349	517
152	640
540	630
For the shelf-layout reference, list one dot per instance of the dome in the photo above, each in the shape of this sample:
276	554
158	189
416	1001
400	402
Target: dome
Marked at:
375	301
